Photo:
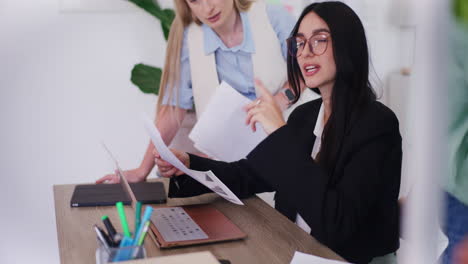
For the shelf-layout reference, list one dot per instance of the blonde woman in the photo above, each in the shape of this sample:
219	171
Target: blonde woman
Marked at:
236	41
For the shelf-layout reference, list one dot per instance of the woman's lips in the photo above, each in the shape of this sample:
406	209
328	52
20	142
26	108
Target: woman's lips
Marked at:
214	18
311	69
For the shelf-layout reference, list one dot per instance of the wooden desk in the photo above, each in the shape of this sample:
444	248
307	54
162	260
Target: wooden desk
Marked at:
272	238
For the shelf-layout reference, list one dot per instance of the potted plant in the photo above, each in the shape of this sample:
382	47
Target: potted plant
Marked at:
144	76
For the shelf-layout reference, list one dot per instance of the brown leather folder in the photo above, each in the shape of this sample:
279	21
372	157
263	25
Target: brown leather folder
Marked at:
214	223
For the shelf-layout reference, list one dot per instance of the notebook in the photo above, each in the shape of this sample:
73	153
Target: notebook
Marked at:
109	194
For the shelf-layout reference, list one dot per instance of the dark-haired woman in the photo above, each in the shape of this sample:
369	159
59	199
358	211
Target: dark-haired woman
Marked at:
340	177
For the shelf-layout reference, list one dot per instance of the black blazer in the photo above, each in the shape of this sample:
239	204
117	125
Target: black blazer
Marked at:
354	211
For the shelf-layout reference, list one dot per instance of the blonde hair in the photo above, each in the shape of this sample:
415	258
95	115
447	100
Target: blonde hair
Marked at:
171	72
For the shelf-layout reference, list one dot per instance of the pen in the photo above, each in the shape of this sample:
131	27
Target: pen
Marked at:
105	236
143	235
123	219
146	217
110	229
137	216
142	238
101	238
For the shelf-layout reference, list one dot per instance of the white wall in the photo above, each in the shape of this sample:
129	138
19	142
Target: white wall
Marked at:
64	87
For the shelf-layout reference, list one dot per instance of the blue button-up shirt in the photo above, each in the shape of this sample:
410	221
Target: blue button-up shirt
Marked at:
233	65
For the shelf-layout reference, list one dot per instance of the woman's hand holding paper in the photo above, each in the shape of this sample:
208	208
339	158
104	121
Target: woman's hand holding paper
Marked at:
166	169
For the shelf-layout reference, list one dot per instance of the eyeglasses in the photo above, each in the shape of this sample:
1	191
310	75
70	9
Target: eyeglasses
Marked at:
317	44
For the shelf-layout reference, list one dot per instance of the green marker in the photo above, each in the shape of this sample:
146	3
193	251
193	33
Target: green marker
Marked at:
123	219
137	216
145	230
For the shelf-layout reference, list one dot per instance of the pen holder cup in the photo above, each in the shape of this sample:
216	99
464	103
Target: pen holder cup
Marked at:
116	254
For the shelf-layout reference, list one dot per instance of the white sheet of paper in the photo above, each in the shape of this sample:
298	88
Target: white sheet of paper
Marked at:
207	178
221	131
123	180
303	258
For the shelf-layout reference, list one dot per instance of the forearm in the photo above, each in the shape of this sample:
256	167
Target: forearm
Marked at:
147	163
237	176
168	123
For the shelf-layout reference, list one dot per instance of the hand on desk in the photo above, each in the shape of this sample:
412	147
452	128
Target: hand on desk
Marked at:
135	175
166	169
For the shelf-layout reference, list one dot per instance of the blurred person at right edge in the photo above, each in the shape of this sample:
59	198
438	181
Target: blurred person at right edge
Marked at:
456	204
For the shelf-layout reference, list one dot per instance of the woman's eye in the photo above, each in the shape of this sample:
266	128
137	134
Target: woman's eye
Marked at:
299	44
318	41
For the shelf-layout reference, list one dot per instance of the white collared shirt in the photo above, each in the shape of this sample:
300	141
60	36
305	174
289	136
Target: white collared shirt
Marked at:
315	150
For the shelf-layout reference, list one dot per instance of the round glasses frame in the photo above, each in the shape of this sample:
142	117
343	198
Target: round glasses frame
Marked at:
318	44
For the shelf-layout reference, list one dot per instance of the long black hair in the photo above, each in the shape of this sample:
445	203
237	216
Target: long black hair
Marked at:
352	90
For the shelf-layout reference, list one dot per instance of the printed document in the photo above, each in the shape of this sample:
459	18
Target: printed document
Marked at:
207	178
221	131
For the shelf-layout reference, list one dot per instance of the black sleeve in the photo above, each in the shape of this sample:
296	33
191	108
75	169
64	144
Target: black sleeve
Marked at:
237	176
333	213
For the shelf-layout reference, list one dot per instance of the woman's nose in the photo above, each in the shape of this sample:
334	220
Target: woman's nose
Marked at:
307	51
207	7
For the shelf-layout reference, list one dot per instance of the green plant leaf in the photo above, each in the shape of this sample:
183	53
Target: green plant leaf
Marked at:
460	10
165	16
149	6
147	78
